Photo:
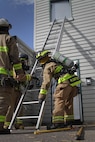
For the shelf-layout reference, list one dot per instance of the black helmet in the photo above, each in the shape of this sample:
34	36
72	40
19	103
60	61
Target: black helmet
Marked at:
23	56
24	60
5	23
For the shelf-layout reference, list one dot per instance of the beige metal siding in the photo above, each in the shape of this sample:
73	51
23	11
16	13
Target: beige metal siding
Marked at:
78	43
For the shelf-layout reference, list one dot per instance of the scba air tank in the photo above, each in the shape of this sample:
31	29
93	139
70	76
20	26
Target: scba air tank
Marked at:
62	59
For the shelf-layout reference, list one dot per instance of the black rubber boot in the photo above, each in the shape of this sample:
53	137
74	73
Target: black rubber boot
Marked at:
5	131
19	126
68	124
55	126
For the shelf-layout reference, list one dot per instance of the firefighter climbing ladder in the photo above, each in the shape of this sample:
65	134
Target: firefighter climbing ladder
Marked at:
53	39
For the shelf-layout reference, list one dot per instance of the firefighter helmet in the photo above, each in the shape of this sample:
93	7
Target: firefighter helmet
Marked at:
5	23
43	56
24	60
23	56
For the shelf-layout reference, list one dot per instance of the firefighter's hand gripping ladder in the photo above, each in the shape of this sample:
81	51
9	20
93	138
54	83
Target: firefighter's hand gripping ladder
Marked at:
59	31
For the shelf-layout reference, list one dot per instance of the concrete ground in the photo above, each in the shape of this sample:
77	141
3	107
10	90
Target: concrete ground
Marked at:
27	135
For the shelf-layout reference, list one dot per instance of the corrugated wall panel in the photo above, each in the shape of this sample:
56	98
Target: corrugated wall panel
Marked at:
80	34
41	18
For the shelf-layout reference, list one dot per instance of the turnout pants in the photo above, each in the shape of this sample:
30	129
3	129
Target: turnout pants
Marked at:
15	99
5	101
63	103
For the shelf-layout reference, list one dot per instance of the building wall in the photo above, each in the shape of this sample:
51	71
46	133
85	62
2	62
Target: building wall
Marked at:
78	42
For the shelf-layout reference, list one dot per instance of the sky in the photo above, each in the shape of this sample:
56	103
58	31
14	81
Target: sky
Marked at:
20	13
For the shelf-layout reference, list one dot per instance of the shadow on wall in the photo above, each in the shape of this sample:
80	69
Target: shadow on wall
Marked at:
86	53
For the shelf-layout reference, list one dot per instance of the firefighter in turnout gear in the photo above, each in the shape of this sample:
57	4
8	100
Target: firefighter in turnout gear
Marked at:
17	95
9	57
66	89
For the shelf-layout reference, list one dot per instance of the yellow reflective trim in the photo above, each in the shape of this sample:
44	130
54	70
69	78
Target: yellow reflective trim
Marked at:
2	118
58	69
22	59
64	78
4	49
17	66
11	72
75	80
75	83
68	117
43	91
58	118
3	71
42	53
18	121
28	77
7	123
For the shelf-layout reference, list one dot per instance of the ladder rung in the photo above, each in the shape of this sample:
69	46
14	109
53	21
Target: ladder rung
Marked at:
49	46
27	117
32	102
33	90
39	68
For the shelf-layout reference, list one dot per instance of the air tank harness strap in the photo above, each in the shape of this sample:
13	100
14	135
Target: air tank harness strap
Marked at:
73	79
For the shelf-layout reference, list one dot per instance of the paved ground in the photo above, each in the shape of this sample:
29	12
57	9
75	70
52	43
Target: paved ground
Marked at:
27	135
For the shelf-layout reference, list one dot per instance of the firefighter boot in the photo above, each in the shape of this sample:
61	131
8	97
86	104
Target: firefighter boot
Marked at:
56	126
68	124
19	124
5	131
5	126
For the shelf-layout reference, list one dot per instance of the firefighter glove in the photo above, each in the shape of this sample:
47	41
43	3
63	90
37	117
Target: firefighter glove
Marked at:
42	98
21	77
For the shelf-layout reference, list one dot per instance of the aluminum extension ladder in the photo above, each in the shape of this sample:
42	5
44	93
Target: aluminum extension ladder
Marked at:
53	39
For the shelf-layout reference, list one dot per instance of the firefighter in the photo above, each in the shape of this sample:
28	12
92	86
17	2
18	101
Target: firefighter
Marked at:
17	95
66	89
24	60
9	56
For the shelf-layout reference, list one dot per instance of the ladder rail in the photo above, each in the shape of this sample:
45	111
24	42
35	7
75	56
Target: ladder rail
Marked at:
34	67
60	36
48	35
40	115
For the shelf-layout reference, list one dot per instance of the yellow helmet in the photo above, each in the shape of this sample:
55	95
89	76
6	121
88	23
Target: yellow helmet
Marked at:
43	56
